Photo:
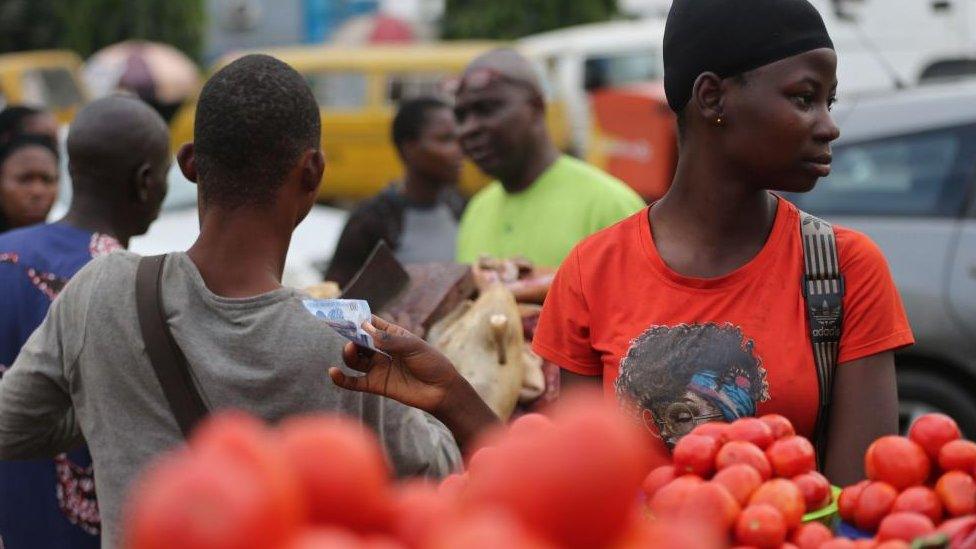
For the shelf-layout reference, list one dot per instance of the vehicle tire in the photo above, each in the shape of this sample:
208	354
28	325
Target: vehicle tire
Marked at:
924	391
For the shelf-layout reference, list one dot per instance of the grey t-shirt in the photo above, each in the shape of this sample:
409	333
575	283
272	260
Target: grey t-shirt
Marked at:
85	373
429	235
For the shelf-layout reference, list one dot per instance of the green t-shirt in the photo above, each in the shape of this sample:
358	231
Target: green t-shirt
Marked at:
568	202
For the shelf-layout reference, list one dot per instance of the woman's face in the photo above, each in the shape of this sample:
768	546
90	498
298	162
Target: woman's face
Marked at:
778	123
28	185
436	154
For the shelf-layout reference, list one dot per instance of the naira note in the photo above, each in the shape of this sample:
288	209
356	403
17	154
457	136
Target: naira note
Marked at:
345	316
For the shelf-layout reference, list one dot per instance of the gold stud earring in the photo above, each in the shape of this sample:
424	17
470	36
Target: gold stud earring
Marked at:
719	121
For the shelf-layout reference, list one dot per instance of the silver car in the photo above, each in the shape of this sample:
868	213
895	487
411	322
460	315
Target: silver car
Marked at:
904	173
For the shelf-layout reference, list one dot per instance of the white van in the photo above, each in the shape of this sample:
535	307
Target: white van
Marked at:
584	58
881	44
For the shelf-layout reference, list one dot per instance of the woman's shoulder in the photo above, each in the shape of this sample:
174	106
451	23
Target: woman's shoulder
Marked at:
860	256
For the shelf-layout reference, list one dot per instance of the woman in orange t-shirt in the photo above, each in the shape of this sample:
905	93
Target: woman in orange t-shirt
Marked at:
692	310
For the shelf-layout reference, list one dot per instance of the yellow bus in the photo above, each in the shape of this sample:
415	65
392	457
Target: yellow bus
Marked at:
49	79
357	89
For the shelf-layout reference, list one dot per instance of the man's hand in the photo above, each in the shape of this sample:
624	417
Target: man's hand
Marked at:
417	375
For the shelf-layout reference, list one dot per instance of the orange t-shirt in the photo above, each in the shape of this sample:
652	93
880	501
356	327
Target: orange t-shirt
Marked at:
689	350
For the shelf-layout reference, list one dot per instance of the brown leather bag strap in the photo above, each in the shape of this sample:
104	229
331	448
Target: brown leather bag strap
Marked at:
168	361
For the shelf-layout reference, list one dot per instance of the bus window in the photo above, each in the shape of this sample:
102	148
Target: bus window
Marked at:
404	86
339	90
621	68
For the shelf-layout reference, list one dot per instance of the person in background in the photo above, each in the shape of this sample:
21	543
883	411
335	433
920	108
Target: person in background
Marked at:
117	150
20	119
418	217
28	180
249	342
542	202
693	310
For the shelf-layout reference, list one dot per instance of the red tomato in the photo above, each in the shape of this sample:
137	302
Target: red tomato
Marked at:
839	543
704	502
550	481
325	538
418	509
919	499
932	431
453	485
245	439
203	502
958	455
847	502
761	526
811	535
792	456
530	425
695	454
959	526
815	489
343	470
784	496
892	544
740	451
672	496
957	492
779	425
714	429
904	526
740	480
657	478
752	430
658	534
897	461
485	529
875	501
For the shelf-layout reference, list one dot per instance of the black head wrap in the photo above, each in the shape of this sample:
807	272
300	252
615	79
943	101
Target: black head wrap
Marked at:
730	37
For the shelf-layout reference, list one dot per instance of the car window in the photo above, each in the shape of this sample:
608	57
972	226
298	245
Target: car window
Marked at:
337	90
621	68
404	86
918	174
53	88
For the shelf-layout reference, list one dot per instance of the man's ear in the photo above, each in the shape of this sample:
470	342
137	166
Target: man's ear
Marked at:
407	150
186	158
708	97
313	166
538	105
142	181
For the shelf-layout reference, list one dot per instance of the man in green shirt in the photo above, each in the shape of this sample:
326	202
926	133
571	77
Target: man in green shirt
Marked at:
542	202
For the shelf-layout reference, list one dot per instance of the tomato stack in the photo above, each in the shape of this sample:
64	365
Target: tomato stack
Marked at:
750	481
917	485
568	480
578	478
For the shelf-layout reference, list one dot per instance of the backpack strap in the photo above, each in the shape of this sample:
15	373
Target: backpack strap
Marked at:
823	291
169	363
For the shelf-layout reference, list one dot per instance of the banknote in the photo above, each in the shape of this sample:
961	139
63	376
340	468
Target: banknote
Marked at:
345	316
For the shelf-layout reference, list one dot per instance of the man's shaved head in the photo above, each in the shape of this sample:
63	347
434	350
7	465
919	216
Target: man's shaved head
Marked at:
500	110
118	157
509	63
110	139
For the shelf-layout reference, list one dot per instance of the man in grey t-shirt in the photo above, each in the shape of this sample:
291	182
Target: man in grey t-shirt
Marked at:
84	374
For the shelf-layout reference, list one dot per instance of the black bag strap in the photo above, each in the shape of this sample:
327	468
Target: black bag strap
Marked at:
823	291
168	361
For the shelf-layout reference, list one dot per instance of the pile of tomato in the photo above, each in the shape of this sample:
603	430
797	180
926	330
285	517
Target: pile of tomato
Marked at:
577	478
752	481
570	479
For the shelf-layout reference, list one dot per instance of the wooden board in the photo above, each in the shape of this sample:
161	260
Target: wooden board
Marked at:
435	289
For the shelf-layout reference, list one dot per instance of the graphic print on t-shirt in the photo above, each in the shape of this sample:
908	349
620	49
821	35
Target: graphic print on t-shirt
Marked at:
676	377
